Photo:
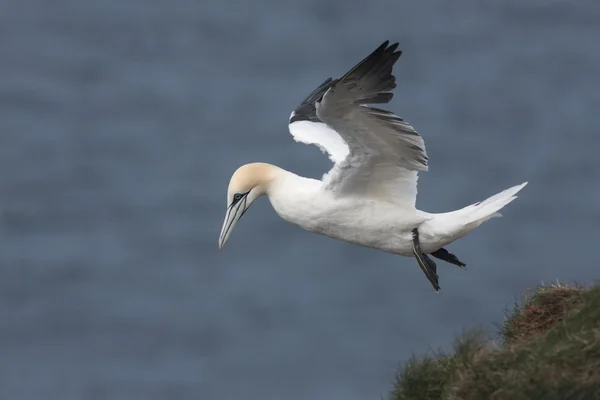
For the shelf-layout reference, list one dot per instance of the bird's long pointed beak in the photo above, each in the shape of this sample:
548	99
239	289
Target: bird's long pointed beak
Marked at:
233	215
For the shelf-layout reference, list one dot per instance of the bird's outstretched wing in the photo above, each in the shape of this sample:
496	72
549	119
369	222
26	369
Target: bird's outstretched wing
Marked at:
376	154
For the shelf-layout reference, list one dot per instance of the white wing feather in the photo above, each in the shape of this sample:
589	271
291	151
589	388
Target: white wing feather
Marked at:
319	134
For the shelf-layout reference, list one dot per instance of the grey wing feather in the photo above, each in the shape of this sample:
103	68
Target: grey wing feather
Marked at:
384	149
343	108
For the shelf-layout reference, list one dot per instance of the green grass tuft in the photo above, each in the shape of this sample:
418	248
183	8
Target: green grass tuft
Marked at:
548	348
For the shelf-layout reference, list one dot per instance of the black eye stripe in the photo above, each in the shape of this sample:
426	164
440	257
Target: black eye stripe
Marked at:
238	196
237	209
244	207
231	220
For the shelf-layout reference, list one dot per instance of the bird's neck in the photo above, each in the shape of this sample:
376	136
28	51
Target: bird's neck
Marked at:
293	196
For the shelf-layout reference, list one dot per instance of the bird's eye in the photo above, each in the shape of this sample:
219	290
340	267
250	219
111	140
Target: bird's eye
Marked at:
237	196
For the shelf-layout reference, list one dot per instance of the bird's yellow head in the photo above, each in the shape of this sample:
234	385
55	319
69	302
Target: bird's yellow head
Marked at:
248	183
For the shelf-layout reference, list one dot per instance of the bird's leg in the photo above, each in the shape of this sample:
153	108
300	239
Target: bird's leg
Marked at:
445	255
425	263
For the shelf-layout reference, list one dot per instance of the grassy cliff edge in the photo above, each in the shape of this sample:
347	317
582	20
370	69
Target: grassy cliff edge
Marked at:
548	348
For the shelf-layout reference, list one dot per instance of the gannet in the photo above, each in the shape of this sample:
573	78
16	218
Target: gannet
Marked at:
368	197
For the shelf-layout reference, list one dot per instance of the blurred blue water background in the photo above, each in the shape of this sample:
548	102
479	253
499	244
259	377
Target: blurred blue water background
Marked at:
121	122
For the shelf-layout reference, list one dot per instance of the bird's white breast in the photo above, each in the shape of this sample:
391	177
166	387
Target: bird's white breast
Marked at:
367	222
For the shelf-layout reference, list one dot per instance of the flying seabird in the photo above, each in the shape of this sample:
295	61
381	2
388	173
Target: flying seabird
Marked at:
368	197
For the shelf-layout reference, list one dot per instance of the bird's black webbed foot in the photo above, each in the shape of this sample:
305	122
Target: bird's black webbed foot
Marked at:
445	255
425	263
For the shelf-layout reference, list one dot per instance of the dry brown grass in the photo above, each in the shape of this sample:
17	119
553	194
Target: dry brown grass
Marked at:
540	310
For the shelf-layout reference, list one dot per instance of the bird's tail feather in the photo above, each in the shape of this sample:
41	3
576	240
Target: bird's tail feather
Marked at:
450	226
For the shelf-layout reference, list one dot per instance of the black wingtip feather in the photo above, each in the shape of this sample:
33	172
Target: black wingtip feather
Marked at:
375	73
306	110
375	70
383	55
316	94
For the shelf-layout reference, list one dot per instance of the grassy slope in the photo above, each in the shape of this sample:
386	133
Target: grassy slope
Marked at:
548	348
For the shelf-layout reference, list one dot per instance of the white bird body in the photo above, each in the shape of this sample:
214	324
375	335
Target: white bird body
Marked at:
369	196
372	222
368	222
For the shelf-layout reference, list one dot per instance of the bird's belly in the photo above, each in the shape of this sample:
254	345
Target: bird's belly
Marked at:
380	231
371	223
